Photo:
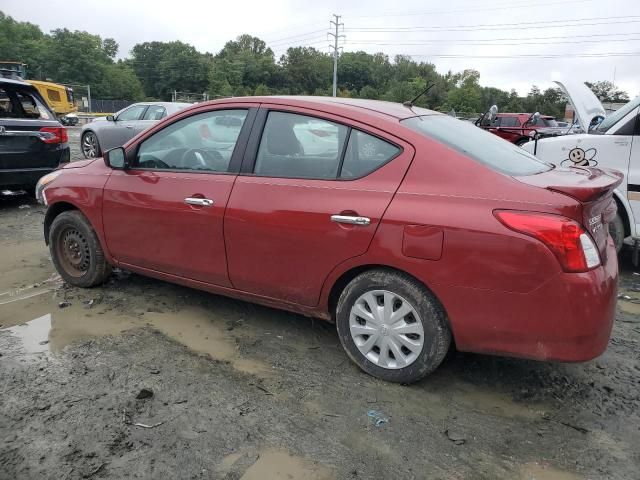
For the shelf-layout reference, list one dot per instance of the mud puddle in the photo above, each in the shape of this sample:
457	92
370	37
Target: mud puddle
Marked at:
53	328
275	464
537	471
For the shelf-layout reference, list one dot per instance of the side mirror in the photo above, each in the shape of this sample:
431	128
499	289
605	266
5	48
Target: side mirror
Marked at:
116	158
111	118
493	111
533	119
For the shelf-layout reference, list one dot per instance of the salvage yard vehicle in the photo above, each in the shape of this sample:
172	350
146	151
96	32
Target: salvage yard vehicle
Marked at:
374	225
611	142
32	142
519	128
115	130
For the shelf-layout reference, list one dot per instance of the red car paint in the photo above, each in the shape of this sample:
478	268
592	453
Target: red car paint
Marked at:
270	241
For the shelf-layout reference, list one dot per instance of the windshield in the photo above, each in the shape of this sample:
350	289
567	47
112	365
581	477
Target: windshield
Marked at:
622	112
482	146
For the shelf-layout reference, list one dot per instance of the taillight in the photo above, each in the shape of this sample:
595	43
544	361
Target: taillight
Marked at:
566	238
54	135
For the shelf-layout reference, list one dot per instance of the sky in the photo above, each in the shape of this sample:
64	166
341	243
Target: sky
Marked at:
513	44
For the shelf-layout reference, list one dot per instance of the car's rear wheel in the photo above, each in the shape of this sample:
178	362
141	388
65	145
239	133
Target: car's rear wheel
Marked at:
391	326
90	145
76	251
616	230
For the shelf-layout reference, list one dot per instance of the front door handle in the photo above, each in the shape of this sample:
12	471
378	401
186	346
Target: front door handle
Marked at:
200	202
350	219
129	126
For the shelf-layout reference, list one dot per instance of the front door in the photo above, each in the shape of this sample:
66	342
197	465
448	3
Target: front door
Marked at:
166	212
122	129
311	198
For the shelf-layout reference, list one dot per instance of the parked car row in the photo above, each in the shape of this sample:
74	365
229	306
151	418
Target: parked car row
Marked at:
359	212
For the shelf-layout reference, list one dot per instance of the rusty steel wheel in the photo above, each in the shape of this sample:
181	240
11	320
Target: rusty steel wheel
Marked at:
76	251
73	251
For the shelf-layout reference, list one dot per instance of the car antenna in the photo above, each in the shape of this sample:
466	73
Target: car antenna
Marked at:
409	104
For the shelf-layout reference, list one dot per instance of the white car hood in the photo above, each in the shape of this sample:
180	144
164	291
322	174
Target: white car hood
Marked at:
585	103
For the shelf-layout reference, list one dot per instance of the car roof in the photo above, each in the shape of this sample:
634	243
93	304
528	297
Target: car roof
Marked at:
380	107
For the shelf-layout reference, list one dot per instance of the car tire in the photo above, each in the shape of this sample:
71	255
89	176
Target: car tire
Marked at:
76	251
413	318
616	230
522	141
90	145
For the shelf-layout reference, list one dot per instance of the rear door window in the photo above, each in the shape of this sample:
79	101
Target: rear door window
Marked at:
155	112
478	144
15	103
366	153
300	146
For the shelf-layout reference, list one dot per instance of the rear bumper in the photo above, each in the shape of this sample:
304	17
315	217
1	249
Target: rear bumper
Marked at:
569	318
28	177
23	177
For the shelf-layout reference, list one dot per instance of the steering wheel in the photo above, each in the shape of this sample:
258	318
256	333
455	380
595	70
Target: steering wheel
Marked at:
154	163
201	159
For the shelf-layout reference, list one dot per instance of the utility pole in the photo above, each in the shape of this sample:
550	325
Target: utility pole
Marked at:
336	37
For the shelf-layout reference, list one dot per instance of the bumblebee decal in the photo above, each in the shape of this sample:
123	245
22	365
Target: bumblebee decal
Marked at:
580	158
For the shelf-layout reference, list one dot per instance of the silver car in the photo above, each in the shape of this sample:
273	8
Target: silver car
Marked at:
115	130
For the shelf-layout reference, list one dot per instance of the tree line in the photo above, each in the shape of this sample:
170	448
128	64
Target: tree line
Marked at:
247	66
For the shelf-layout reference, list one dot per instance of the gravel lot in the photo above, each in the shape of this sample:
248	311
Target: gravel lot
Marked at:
144	379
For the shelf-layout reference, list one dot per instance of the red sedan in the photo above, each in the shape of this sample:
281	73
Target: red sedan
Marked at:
405	227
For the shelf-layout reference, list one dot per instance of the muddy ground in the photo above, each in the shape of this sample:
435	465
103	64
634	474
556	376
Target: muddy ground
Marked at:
230	390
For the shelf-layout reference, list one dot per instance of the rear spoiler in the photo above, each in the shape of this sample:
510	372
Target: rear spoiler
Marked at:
592	184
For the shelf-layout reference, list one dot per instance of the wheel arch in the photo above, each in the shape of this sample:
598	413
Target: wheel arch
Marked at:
623	208
347	276
52	212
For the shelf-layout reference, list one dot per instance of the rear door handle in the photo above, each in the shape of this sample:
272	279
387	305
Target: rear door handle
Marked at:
350	219
201	202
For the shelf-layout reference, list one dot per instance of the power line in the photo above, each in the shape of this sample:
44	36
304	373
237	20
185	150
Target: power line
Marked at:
504	26
559	55
373	42
448	40
503	6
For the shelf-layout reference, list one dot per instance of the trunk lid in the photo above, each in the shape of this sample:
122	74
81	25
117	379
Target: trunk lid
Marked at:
593	188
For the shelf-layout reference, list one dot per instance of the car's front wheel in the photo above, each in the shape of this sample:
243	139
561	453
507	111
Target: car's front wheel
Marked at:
90	145
76	251
391	326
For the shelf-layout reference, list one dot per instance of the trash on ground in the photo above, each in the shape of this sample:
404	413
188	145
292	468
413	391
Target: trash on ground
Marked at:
143	425
455	437
378	417
144	394
64	304
24	206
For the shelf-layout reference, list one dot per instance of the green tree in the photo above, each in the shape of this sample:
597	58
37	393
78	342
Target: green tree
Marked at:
306	69
607	91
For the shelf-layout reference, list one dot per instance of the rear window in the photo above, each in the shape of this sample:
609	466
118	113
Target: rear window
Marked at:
21	104
484	147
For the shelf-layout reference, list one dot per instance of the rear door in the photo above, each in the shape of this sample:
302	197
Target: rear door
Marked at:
152	115
166	212
122	129
23	142
311	195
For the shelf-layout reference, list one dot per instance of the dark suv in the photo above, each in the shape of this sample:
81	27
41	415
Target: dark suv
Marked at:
32	142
